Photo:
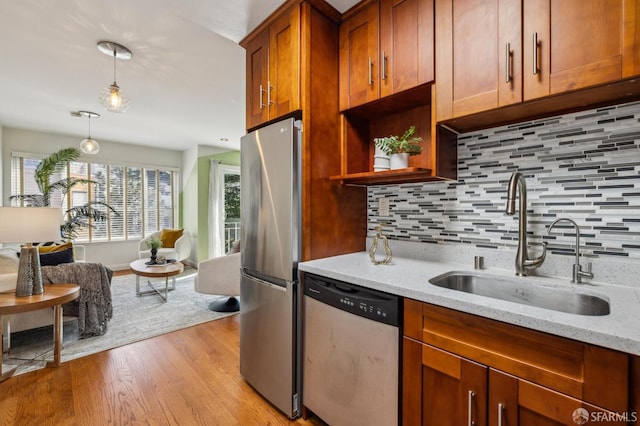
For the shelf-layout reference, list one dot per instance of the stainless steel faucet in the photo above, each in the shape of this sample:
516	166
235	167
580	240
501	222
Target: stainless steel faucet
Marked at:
523	263
578	273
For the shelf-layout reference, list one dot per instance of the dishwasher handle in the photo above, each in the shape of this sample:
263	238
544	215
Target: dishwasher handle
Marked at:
344	288
347	289
352	298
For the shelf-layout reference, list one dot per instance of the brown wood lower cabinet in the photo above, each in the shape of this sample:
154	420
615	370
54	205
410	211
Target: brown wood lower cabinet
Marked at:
513	401
454	389
441	387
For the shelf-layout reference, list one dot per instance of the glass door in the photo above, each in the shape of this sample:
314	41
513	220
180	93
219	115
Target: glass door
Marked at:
231	204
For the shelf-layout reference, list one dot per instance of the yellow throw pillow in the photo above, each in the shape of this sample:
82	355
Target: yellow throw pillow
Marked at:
170	236
55	247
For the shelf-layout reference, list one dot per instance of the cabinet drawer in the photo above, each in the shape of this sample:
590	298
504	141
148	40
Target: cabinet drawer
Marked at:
587	372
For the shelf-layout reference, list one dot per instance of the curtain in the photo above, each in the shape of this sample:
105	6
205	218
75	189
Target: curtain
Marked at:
216	210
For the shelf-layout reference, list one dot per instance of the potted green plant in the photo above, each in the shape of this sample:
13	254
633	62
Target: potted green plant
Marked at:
76	217
153	243
400	148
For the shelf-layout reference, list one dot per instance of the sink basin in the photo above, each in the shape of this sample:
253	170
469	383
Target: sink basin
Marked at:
518	291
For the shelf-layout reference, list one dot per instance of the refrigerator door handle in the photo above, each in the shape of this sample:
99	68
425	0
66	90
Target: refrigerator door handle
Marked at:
263	282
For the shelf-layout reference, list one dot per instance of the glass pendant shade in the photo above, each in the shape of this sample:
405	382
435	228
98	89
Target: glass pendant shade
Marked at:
89	146
113	99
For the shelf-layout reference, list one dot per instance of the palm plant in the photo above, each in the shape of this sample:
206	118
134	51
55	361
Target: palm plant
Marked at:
76	217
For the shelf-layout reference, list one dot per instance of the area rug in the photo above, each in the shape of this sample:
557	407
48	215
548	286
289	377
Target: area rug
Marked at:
134	319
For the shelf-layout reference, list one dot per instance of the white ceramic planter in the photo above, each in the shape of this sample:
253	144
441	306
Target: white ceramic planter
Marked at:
399	161
380	161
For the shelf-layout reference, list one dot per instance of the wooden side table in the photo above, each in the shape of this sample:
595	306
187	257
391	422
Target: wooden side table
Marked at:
141	269
54	295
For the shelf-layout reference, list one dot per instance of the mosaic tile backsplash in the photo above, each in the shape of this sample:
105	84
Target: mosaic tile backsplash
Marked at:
583	166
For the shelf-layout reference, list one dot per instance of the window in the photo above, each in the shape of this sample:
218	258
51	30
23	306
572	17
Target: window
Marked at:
144	198
231	206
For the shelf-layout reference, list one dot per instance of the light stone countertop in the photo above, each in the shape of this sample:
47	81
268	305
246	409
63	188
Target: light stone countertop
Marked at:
409	277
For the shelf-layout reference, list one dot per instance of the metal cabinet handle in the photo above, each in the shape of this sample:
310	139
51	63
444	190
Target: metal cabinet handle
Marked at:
370	71
535	54
470	409
500	410
384	66
508	62
262	105
269	87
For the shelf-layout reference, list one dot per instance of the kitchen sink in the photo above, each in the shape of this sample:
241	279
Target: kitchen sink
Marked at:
524	292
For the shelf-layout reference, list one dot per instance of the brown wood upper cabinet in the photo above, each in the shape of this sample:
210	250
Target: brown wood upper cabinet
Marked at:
273	69
491	54
386	47
292	67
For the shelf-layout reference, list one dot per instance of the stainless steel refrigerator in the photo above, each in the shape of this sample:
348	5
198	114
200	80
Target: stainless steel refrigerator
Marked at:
269	288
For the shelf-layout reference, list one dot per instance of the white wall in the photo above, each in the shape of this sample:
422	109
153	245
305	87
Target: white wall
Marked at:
116	255
1	167
195	196
189	194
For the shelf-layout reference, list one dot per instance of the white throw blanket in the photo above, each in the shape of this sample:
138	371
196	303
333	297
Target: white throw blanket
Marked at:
94	279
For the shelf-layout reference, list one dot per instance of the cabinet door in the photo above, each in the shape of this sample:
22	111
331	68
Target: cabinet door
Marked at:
359	58
514	401
284	64
257	61
472	56
411	379
572	44
406	44
454	389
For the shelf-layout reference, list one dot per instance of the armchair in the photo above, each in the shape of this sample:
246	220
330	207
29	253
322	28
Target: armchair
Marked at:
180	252
221	276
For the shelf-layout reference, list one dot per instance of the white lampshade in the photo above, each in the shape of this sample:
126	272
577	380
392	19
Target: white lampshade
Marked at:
29	224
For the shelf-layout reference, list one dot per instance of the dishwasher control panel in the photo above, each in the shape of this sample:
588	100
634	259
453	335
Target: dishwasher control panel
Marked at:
371	304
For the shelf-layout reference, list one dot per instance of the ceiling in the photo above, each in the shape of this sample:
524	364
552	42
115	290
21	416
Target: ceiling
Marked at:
186	80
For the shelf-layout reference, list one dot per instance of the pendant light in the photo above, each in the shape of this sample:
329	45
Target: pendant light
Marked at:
111	97
89	145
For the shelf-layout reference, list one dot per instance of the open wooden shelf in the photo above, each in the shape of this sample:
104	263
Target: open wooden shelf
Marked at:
410	174
388	116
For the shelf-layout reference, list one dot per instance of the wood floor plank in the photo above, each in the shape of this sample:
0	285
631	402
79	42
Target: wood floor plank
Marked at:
188	377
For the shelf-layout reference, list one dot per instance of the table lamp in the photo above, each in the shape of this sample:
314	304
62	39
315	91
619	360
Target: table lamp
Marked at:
28	225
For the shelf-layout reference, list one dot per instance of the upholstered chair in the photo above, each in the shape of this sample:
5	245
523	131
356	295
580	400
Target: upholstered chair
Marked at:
180	251
220	276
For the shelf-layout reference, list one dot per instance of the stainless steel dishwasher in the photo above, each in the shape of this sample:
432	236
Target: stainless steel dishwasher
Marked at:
351	353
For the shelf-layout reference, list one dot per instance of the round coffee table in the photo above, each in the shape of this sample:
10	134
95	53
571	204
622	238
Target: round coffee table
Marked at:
141	269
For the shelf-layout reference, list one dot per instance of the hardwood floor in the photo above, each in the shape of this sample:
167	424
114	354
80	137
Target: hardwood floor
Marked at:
188	377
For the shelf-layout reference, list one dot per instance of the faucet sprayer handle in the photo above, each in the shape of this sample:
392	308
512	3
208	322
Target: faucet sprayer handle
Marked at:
587	273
